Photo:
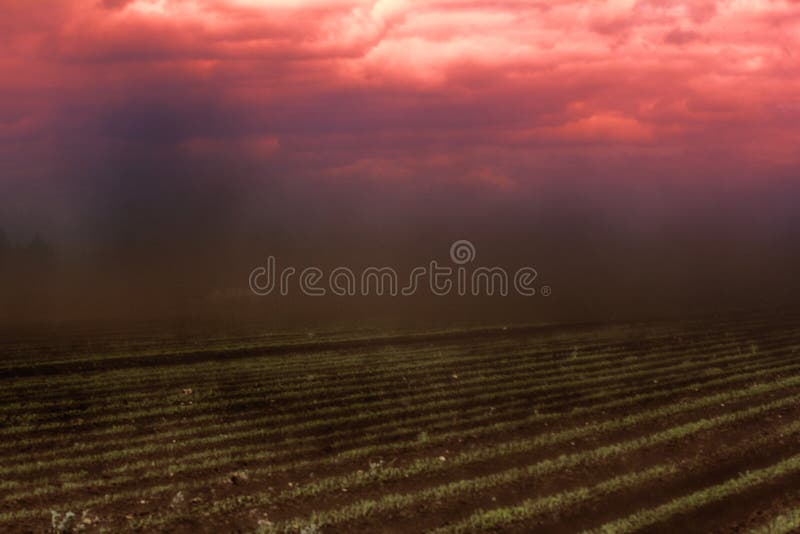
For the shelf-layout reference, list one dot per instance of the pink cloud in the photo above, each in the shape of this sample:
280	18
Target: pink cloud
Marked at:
364	87
678	36
605	127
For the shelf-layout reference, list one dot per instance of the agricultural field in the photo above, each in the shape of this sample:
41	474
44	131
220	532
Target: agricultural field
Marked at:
690	426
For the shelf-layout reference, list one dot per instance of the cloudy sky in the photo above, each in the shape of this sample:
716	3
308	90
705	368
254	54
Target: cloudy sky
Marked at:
123	117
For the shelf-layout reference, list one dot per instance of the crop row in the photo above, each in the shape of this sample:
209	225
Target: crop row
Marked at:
303	362
202	460
488	429
558	504
396	501
687	503
187	410
299	366
307	368
325	418
305	396
746	371
781	524
299	386
495	451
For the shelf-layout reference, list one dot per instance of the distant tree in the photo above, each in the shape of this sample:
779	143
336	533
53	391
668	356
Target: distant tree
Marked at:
5	261
4	246
39	253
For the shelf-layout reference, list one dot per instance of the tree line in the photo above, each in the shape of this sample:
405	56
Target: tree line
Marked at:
34	254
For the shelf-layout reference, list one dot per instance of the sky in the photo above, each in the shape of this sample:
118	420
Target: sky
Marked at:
146	127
